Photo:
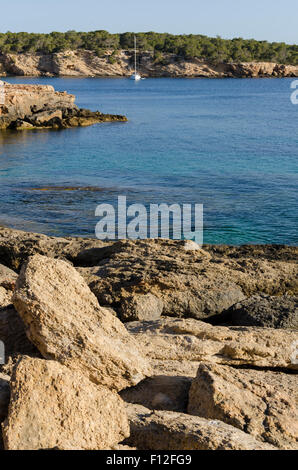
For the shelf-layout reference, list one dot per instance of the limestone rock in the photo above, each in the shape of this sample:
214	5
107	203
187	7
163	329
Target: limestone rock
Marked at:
38	106
166	430
197	284
7	277
263	310
261	403
141	307
65	322
7	283
54	408
123	448
171	339
16	246
20	125
175	368
160	393
4	396
5	298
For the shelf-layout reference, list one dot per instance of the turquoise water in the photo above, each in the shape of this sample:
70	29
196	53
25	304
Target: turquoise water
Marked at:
228	144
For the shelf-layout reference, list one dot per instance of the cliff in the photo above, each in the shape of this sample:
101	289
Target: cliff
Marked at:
40	106
87	64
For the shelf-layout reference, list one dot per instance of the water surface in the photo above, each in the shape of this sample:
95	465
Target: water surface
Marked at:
228	144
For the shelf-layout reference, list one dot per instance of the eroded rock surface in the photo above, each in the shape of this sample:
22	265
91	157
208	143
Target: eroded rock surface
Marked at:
7	283
166	430
7	278
65	322
5	298
55	408
16	246
171	340
261	403
198	284
146	278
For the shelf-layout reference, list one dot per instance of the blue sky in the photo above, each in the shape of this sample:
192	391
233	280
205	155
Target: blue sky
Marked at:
273	20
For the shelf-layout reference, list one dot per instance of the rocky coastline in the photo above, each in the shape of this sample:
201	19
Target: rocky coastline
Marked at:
27	107
147	345
85	63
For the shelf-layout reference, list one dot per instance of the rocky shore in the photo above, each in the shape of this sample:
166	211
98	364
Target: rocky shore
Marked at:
84	63
147	345
26	107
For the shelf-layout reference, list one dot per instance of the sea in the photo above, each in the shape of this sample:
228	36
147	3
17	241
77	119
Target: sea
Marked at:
228	144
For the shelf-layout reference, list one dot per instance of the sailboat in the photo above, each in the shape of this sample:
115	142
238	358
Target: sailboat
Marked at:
135	76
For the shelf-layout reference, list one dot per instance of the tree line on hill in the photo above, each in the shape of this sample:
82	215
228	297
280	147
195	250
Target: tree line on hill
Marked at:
215	50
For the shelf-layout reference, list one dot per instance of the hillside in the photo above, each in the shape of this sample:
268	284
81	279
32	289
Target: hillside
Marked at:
102	54
215	50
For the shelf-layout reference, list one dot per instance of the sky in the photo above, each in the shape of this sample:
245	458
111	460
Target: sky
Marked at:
272	20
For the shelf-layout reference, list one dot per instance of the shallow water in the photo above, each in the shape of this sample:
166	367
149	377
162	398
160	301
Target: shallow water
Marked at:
228	144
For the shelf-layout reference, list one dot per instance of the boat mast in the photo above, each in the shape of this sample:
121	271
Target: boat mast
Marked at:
135	55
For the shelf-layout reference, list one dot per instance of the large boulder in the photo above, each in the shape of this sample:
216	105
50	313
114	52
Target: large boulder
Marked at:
166	430
266	311
199	283
261	403
65	322
171	340
52	407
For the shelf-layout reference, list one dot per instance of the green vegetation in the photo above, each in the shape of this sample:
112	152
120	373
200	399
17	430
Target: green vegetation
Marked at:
189	46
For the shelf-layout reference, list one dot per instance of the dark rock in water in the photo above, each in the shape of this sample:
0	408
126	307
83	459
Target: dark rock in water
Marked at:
263	310
39	106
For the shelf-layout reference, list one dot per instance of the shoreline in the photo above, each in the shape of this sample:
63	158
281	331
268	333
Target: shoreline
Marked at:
85	63
6	226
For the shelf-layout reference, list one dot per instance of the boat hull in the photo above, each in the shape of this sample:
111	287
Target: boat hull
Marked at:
135	77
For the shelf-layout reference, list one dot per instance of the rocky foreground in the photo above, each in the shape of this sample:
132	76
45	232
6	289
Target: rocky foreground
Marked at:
84	63
25	107
147	345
